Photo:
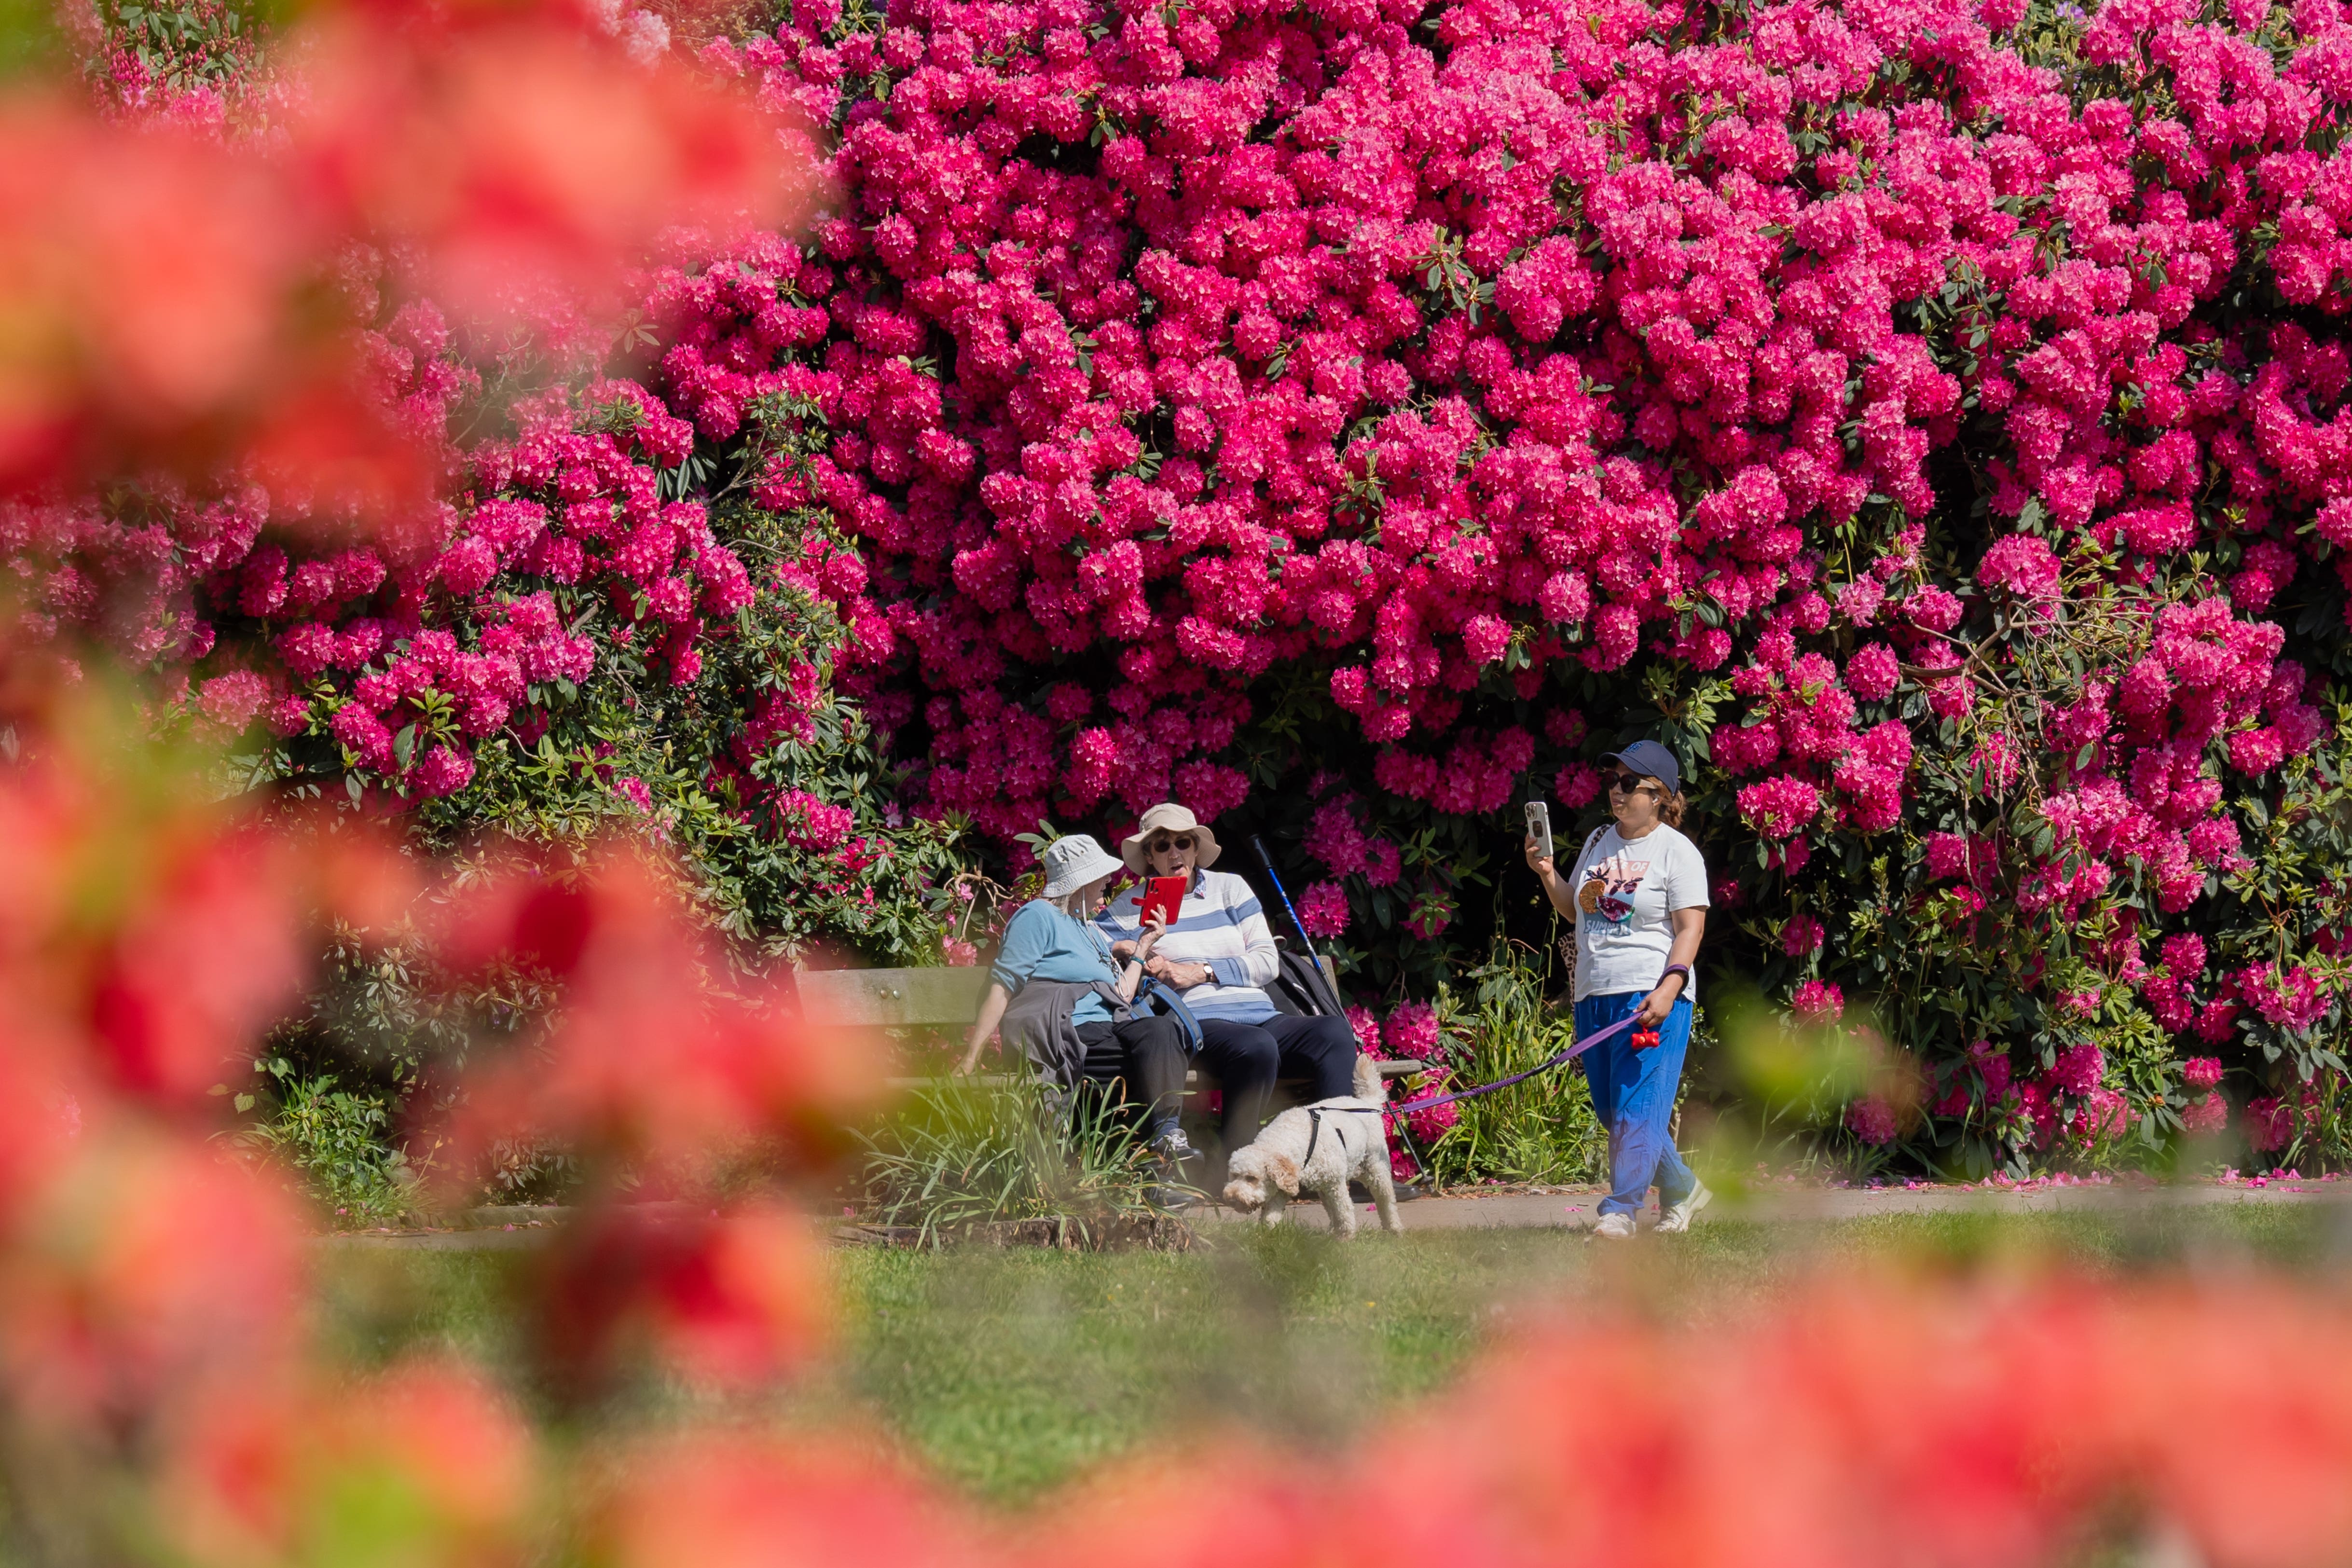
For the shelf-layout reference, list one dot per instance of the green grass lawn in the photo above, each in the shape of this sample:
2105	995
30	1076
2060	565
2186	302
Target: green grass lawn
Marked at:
1009	1372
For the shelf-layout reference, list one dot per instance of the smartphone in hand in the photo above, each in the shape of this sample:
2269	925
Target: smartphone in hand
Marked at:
1539	827
1164	895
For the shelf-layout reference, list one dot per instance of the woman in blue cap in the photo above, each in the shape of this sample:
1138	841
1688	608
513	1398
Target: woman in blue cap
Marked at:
1637	898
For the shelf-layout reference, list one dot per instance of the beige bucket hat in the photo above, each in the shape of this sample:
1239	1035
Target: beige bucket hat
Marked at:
1168	816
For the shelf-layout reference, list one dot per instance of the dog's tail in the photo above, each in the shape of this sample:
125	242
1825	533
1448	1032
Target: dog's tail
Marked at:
1370	1084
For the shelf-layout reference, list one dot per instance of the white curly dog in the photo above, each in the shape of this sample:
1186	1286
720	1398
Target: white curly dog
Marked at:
1314	1150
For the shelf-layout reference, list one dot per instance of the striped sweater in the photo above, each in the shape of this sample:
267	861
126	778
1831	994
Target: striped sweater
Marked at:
1221	924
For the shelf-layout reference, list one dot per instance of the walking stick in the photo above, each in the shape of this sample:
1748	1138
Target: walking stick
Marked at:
1283	893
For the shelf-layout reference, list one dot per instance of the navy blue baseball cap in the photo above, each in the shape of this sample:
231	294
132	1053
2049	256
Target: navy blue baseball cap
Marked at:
1652	761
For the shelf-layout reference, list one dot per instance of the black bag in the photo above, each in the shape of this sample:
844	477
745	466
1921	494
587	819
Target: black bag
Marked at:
1302	990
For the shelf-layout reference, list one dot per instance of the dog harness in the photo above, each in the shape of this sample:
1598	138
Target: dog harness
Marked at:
1315	1125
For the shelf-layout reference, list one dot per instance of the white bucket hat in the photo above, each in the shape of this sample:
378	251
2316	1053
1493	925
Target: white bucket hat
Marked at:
1173	819
1071	863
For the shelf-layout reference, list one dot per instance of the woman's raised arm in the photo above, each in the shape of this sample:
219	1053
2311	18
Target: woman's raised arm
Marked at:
1555	886
1130	974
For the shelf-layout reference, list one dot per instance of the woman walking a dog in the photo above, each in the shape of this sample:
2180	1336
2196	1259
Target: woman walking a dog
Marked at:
1637	898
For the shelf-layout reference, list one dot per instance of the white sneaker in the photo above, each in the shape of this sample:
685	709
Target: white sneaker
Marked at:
1615	1226
1677	1220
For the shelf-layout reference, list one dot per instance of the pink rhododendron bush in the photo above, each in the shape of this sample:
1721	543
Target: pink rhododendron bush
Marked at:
1351	419
1354	418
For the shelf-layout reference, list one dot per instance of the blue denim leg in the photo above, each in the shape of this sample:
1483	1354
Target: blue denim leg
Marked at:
1592	1014
1633	1095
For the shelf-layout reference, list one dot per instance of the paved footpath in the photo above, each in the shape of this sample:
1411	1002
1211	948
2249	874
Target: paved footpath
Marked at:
1572	1208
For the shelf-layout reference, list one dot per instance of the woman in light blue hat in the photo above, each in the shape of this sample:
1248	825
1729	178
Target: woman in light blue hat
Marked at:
1068	1005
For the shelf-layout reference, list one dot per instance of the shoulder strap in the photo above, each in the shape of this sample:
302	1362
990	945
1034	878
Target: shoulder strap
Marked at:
1166	998
1590	839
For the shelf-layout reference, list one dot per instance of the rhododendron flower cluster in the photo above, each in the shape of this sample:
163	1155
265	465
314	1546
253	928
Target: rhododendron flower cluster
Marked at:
2271	1122
2206	1116
1412	1033
1432	1125
1803	935
1323	909
2078	1070
1817	1002
1871	1118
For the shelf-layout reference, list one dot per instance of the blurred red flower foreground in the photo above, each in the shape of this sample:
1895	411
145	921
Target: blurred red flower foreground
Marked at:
173	298
156	1331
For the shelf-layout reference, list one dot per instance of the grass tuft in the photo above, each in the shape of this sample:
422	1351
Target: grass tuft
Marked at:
961	1153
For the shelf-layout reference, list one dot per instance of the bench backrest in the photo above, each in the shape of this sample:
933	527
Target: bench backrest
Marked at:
919	998
893	998
904	998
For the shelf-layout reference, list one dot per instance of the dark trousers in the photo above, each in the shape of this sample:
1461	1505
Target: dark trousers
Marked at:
1246	1059
1147	1054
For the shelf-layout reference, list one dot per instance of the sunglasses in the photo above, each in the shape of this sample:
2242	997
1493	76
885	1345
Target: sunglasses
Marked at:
1626	783
1161	845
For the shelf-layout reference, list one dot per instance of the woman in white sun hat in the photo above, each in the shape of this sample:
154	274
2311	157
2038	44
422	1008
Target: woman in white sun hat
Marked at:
1219	955
1065	1002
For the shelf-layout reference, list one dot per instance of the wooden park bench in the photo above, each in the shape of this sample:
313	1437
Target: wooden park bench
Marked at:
943	998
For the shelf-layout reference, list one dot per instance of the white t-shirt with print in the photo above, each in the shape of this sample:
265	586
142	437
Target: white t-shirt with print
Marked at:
1623	932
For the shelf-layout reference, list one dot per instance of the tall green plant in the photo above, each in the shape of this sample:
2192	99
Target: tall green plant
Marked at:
335	1140
1539	1131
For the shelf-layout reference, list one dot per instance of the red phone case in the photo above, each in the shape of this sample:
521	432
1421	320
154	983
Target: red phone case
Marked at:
1162	893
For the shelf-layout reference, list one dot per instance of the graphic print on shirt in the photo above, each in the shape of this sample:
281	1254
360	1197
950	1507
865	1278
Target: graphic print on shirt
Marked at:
1607	896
